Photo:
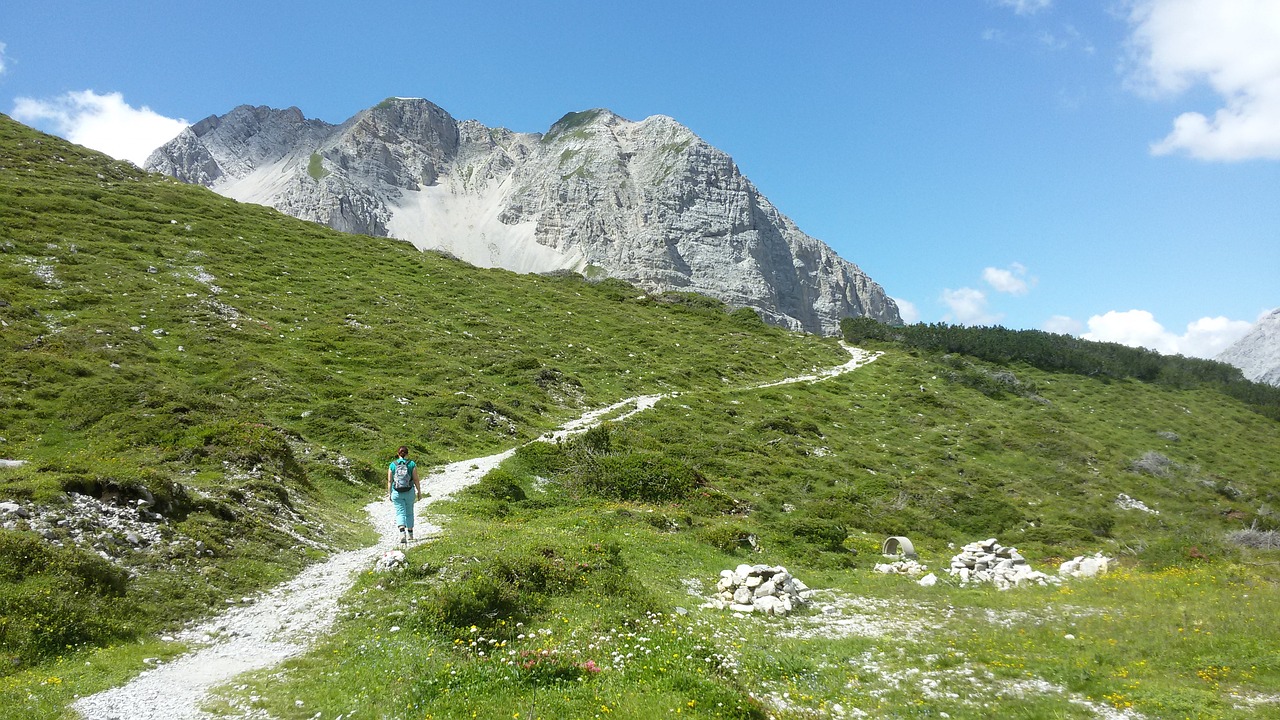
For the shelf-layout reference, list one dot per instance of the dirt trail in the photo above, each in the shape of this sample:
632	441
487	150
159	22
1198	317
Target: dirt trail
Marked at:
287	619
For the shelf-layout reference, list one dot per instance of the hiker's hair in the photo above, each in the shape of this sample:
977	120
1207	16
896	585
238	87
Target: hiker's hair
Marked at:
404	450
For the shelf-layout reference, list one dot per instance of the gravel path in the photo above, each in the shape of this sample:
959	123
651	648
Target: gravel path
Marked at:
286	620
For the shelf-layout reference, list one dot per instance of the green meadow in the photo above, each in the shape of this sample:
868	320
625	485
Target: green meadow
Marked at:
245	376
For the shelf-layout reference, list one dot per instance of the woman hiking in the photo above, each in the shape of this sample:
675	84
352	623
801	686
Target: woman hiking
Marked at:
403	487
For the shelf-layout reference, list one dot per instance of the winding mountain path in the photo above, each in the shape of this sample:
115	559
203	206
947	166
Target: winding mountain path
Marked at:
287	619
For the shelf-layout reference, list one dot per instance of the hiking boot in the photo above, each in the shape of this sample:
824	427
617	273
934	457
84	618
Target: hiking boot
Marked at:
410	533
404	536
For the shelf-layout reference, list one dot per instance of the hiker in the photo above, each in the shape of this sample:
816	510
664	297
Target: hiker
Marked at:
403	488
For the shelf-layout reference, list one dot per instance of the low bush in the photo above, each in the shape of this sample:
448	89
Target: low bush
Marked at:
1153	463
53	600
1256	539
639	476
513	584
499	484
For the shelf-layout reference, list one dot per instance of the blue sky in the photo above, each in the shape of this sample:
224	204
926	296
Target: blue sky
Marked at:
1109	169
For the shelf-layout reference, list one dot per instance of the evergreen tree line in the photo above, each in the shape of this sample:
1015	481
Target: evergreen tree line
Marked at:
1064	353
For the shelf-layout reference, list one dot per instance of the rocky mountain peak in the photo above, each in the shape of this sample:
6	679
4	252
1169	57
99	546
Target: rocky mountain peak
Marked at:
649	202
1257	354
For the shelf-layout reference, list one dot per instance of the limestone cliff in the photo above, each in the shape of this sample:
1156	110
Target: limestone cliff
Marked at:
649	202
1257	354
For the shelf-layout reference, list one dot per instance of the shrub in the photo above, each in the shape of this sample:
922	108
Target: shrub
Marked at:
788	426
516	582
824	534
1256	539
708	502
54	599
1100	523
596	441
747	318
983	513
727	537
1181	550
691	300
859	329
541	458
478	599
642	476
1153	463
499	484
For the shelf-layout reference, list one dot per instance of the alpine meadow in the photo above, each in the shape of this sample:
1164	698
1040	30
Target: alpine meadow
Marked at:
199	398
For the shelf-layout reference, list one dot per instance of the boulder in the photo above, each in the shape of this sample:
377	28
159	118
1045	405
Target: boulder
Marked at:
1085	566
391	560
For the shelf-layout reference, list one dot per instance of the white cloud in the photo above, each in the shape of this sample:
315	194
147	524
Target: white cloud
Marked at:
1062	325
1025	7
1233	46
908	310
1204	338
1012	281
103	122
967	307
3	64
1209	336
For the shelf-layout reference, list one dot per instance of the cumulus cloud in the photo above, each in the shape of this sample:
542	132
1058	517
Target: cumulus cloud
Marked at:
1233	47
1025	7
1204	338
967	306
103	122
1012	280
908	310
1062	325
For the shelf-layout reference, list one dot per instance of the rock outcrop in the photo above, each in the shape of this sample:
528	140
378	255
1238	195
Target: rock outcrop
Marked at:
648	202
1257	354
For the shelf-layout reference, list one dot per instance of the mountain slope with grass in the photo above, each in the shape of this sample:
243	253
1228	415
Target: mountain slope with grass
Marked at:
197	393
201	394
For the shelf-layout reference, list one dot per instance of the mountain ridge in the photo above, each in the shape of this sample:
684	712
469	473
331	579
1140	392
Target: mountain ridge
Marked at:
1257	354
648	202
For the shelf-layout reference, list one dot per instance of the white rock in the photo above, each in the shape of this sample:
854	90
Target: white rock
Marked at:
768	605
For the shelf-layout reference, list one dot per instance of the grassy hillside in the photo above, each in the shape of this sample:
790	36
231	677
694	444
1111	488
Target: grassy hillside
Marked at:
243	374
565	587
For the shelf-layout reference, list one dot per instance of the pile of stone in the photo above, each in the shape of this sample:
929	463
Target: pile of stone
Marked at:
988	561
769	590
391	560
1085	566
901	567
